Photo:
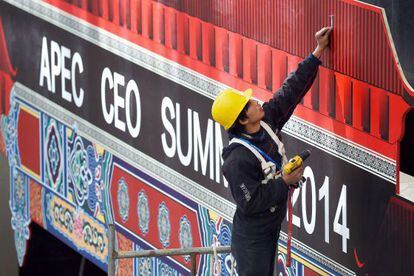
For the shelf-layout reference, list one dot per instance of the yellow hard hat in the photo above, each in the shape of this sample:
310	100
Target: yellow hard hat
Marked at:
228	105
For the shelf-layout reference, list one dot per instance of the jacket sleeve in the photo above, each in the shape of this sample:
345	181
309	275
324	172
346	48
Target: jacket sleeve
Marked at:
250	194
279	109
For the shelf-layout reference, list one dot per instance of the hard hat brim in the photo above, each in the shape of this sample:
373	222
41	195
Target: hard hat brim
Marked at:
248	94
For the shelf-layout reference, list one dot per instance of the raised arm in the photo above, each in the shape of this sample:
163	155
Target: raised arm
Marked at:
284	101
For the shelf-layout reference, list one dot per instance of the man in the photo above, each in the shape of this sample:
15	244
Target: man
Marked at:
254	159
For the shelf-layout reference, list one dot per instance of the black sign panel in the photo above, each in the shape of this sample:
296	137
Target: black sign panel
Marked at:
155	103
338	212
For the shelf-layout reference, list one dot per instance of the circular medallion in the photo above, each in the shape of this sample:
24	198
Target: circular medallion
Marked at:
186	240
143	212
164	226
123	199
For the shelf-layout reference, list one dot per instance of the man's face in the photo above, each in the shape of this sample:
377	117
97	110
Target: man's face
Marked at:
255	112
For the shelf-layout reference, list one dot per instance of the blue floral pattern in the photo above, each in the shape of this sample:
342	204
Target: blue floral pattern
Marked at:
79	172
20	213
53	171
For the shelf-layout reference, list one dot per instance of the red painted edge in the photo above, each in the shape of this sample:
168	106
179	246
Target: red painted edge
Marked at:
403	203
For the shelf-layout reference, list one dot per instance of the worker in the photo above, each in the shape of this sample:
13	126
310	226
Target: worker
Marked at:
254	159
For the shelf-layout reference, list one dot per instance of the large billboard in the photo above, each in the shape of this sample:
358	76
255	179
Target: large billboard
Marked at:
107	119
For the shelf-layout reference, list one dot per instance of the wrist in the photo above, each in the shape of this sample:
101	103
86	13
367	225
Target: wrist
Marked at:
318	52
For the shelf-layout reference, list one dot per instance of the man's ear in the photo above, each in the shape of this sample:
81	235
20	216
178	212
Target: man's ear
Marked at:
244	121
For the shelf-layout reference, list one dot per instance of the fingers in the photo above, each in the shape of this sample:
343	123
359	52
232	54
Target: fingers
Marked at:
298	171
327	31
324	31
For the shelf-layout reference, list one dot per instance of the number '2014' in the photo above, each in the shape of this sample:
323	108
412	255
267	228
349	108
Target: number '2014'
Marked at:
309	218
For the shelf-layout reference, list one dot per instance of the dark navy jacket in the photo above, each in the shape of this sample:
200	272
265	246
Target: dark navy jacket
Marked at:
253	218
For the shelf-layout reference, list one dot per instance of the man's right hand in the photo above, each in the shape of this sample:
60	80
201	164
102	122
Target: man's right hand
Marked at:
322	37
294	177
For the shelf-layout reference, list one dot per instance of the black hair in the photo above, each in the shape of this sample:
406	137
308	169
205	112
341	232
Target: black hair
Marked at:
237	128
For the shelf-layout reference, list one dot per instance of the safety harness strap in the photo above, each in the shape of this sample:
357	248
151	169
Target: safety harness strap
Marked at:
281	147
250	147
